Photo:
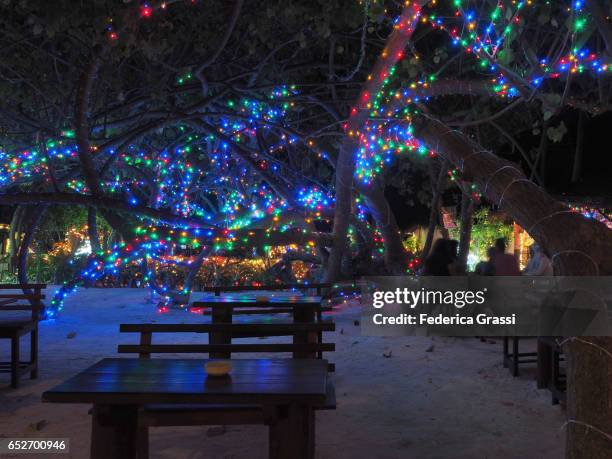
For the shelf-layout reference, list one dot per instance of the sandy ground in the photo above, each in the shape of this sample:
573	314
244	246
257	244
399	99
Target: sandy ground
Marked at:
441	398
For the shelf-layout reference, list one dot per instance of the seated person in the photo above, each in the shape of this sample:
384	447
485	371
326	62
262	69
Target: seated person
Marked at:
505	264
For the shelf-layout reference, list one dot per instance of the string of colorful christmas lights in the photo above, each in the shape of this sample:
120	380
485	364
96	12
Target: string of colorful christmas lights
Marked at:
201	178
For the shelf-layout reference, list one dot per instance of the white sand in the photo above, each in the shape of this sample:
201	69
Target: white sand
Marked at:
453	402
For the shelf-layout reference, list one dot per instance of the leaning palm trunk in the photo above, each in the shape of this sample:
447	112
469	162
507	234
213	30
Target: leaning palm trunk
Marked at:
578	247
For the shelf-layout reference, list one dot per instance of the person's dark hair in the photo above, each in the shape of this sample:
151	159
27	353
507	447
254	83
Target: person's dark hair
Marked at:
500	244
452	246
491	251
439	249
439	258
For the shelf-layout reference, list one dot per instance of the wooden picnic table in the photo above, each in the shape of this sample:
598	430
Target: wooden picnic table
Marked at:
25	297
288	389
305	309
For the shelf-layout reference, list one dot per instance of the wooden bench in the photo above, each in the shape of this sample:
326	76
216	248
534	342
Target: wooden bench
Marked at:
513	358
188	415
14	328
303	310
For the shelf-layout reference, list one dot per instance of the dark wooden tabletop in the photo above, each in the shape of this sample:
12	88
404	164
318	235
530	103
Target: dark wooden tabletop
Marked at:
146	381
251	300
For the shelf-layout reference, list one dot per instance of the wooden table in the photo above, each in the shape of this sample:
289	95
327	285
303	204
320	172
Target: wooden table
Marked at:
305	309
288	389
223	307
318	287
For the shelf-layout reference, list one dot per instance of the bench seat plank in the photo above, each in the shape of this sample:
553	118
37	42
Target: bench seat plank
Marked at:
225	327
229	348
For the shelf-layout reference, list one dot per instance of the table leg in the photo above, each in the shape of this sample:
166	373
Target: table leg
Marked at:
515	356
15	355
292	435
114	432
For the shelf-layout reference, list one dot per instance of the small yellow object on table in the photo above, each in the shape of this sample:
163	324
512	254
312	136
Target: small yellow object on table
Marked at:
218	367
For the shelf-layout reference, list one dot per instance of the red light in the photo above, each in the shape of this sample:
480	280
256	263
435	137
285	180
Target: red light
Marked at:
146	11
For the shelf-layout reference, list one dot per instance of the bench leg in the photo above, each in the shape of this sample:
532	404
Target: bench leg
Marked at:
544	364
292	435
15	361
515	356
555	376
34	353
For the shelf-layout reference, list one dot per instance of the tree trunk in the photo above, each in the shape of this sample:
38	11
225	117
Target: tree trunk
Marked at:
33	217
542	155
395	254
577	168
545	219
435	207
92	230
589	398
577	246
365	242
194	268
14	236
345	166
467	209
81	119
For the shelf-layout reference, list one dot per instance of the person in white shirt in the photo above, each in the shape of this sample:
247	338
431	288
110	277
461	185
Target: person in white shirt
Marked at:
539	264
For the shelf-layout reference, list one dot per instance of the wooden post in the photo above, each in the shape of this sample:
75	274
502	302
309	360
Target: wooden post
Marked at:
221	313
146	339
304	314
